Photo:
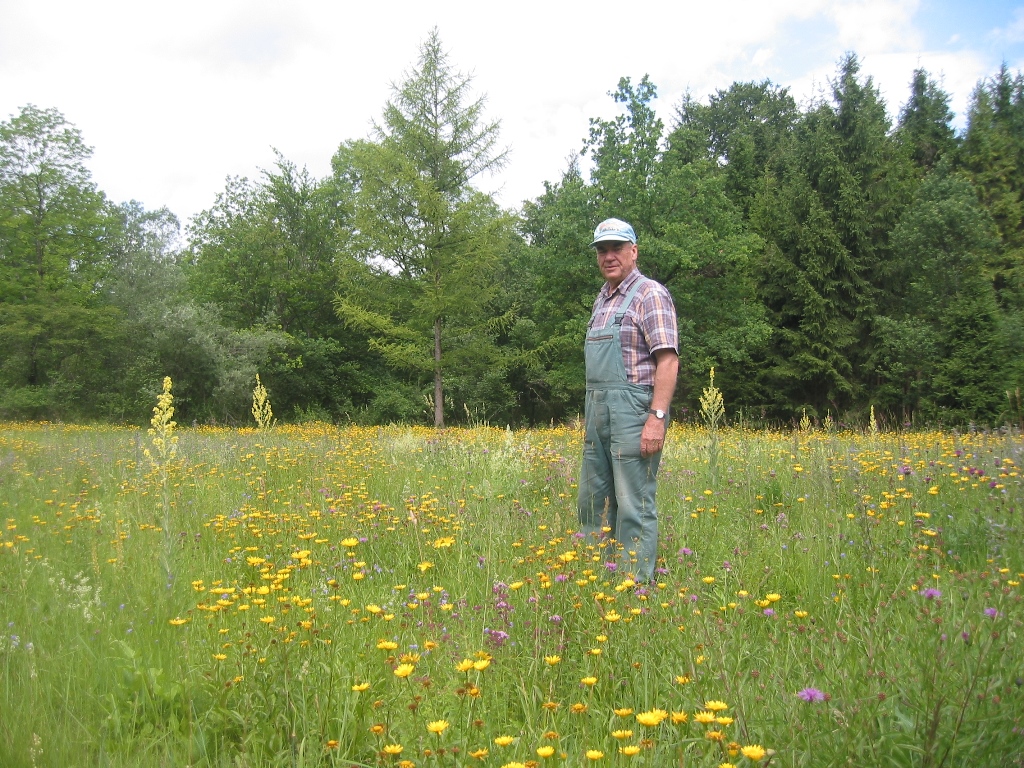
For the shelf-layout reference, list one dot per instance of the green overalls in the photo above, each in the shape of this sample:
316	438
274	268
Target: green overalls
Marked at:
613	472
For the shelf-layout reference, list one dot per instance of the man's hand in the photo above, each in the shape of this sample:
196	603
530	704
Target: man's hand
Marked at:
666	368
652	438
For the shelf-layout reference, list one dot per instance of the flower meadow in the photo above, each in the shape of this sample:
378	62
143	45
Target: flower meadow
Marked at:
399	596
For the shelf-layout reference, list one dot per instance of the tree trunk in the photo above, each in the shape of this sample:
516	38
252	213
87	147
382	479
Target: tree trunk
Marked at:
438	388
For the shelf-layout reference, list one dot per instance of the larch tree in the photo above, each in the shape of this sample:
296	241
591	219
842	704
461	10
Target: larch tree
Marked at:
428	240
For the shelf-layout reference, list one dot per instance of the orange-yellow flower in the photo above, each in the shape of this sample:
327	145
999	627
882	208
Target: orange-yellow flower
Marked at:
652	718
404	670
438	726
754	752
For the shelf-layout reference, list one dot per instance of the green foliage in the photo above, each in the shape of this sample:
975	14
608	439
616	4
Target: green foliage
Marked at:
428	239
826	209
924	126
944	355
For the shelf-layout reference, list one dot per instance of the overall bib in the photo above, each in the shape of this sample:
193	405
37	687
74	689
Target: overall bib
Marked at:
614	478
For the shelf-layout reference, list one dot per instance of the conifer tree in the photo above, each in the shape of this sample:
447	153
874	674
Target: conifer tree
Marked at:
428	237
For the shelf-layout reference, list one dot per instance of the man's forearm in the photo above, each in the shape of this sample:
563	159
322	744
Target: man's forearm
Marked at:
665	374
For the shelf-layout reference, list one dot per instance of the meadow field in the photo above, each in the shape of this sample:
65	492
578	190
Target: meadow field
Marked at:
398	596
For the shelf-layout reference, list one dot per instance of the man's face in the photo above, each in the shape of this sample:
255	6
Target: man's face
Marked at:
616	260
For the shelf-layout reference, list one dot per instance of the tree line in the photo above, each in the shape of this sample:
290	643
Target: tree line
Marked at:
824	259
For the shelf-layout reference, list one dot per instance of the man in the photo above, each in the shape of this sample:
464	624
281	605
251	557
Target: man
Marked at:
632	357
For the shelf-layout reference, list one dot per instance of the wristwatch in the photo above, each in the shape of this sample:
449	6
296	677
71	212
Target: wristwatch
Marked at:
657	414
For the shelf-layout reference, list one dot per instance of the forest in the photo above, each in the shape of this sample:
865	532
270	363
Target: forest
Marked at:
826	259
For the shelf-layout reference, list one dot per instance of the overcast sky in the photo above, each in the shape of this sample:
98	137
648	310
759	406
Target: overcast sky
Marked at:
175	97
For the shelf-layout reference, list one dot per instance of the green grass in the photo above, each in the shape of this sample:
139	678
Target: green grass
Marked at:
883	571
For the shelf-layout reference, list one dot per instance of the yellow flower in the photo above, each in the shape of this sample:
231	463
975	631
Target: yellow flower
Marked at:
578	708
437	726
481	664
708	579
349	542
715	735
387	645
682	679
679	717
410	658
465	665
424	566
513	765
624	712
552	660
629	750
178	622
723	720
594	754
589	681
773	597
393	749
800	614
715	706
504	741
267	619
622	735
704	717
479	754
360	687
753	752
652	718
404	670
546	751
612	616
219	656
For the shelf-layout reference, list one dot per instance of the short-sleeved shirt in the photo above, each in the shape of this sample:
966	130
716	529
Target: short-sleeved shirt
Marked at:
649	324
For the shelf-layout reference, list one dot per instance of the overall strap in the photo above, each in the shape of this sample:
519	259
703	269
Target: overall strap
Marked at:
617	320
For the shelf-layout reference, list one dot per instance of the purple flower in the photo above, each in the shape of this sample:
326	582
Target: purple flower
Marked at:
811	694
686	551
496	637
556	619
769	612
991	612
931	593
613	567
561	577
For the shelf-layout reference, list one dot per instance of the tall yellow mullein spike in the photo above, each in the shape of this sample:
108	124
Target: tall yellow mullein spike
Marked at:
261	410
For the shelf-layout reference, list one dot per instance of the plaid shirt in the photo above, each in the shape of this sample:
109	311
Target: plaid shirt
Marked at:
649	324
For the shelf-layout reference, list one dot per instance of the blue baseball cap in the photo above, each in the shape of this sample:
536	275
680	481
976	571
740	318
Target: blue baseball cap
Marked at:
615	230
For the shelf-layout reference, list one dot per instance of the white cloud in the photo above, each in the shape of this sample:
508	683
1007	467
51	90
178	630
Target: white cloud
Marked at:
176	97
